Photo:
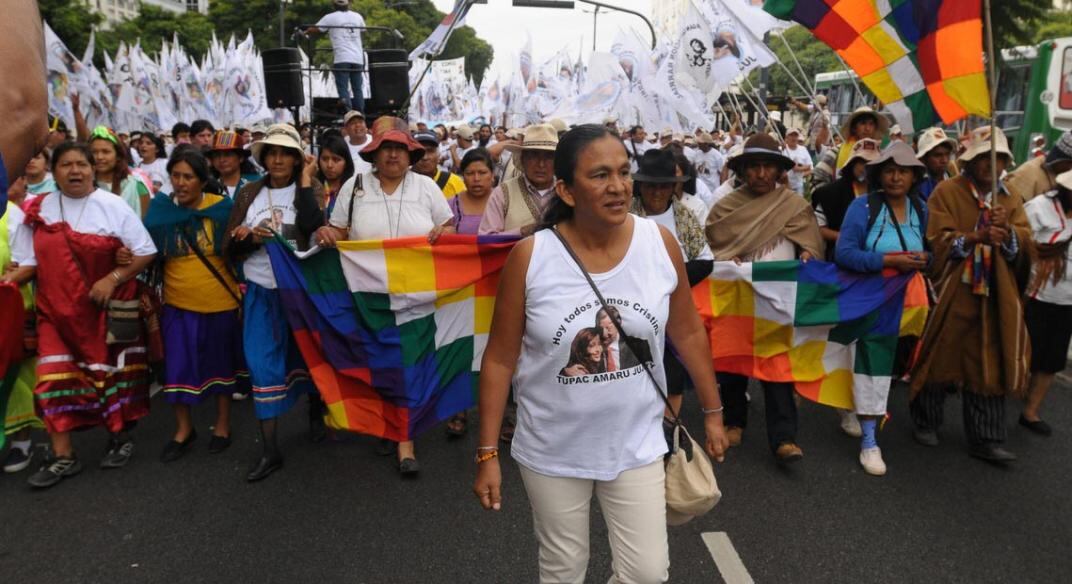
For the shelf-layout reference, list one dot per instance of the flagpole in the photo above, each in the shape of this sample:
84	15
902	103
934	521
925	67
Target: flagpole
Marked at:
992	61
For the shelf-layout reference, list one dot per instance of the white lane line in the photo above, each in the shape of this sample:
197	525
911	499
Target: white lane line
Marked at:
726	559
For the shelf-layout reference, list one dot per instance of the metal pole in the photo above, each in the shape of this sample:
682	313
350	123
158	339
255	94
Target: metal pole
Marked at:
282	22
626	10
595	17
992	56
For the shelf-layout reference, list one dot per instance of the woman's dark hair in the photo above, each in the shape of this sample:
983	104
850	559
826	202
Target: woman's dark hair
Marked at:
570	146
179	128
687	169
161	151
194	158
122	164
66	147
579	349
299	159
201	125
477	155
337	146
329	133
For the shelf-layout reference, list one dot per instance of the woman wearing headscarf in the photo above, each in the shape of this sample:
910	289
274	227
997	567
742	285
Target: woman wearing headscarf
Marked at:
885	229
230	162
1048	309
285	203
654	196
92	368
201	322
975	342
390	202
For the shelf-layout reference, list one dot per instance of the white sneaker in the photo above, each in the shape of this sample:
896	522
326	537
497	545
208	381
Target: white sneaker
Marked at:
871	460
239	396
849	423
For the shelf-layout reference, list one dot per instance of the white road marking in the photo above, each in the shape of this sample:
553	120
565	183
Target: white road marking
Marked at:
726	559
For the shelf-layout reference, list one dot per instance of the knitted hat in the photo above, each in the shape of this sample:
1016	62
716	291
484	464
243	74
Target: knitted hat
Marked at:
1062	150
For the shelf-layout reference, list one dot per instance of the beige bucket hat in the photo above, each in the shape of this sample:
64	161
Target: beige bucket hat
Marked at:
931	138
882	121
279	135
979	144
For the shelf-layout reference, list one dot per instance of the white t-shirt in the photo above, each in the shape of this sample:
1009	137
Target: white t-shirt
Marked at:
100	213
666	219
579	413
799	155
709	167
1050	225
416	206
697	206
157	171
345	41
19	237
360	166
274	208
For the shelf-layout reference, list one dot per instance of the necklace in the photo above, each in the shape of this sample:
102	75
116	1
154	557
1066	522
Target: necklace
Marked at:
401	190
63	217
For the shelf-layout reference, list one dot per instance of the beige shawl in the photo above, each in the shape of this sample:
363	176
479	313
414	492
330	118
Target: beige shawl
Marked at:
742	223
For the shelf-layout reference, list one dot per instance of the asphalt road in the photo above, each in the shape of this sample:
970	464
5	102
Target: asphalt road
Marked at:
337	512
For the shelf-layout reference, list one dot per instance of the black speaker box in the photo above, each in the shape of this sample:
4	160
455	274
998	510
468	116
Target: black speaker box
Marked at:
389	78
282	77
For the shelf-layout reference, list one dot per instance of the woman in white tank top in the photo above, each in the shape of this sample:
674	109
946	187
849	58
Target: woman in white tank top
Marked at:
589	417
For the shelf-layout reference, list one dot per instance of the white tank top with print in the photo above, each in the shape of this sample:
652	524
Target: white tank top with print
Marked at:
586	407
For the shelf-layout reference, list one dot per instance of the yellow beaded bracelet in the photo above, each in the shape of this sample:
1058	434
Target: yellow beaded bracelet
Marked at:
486	456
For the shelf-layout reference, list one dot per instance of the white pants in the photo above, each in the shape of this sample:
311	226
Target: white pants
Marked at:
634	505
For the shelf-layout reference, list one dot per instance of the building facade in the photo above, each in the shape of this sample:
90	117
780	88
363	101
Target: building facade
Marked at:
115	11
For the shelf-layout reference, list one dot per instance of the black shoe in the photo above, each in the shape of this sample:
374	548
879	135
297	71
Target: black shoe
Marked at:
408	467
175	450
119	453
17	460
218	444
264	467
55	471
925	437
1038	426
992	452
386	447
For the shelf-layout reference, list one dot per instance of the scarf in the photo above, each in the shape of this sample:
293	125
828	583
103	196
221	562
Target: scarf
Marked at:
689	232
742	223
166	222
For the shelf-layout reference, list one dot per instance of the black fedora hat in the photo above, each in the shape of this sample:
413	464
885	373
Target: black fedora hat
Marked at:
657	166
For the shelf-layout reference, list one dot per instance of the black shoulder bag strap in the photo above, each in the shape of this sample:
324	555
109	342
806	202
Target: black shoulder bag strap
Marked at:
618	325
211	268
444	178
896	223
358	186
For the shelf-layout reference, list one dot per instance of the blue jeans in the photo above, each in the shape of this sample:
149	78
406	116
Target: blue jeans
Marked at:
349	75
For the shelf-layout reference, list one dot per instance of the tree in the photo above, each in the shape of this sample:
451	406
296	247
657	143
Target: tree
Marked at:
814	56
72	20
1014	20
1055	24
154	25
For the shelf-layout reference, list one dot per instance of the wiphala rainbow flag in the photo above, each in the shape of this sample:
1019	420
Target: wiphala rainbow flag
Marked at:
393	331
810	323
922	58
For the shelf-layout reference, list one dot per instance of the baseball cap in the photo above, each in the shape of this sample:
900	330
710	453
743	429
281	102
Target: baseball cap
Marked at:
351	115
465	132
426	138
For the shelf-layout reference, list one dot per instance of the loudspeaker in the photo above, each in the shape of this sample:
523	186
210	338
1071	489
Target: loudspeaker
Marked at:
327	111
282	77
389	78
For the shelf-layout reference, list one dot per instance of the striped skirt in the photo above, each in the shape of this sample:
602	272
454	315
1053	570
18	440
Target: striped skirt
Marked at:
16	399
203	355
276	368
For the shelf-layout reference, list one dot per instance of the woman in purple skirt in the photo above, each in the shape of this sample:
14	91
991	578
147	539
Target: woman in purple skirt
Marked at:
202	326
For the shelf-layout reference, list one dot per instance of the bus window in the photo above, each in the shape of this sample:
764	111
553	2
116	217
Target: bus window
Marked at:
1065	101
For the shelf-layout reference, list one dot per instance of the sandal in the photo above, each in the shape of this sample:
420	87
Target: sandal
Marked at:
457	425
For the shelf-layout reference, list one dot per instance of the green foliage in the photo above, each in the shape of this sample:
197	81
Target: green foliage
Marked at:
814	56
1055	24
155	25
71	20
415	19
1015	21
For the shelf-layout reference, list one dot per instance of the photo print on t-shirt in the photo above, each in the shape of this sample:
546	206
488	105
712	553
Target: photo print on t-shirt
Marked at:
598	353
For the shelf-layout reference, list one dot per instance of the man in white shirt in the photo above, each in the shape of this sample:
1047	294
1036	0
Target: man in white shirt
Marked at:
357	137
708	161
801	160
344	29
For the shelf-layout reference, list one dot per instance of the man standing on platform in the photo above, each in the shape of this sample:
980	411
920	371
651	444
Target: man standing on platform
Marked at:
344	29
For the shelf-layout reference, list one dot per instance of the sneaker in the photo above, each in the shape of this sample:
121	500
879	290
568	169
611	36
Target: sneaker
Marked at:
925	437
850	424
118	455
17	460
55	471
871	460
239	396
788	452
